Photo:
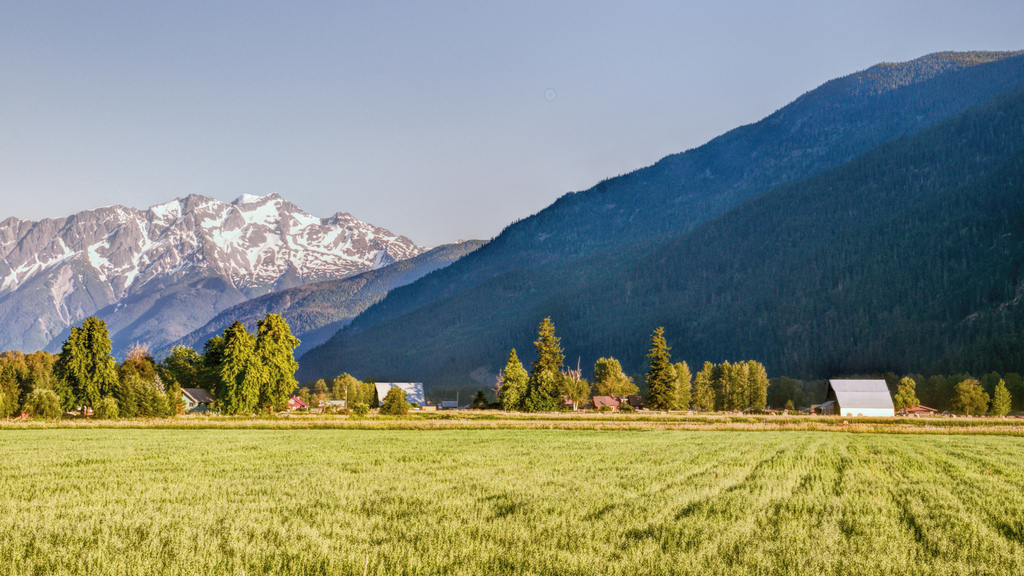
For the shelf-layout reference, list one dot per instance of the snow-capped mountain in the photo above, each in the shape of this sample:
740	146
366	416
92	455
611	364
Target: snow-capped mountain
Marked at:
157	274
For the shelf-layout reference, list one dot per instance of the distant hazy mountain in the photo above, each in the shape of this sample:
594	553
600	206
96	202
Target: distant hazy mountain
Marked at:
156	275
552	263
316	311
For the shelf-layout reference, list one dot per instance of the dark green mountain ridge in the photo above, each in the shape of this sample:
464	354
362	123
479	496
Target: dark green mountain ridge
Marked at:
833	124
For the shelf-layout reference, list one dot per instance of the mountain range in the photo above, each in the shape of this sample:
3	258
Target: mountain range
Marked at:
158	274
611	263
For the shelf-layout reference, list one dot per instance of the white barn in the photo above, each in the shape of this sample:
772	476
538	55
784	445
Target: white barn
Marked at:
858	398
413	391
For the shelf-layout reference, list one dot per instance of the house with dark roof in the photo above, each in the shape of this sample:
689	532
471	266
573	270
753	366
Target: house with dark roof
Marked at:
196	399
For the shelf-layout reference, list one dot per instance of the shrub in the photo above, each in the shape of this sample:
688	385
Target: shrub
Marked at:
44	404
106	409
360	408
625	407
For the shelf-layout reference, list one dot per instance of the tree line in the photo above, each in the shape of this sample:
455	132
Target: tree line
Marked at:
550	385
247	373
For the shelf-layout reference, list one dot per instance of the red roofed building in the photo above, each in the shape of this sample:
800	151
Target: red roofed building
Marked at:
294	403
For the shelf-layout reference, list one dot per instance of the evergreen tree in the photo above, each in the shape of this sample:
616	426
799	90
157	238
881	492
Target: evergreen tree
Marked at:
209	372
1000	400
542	392
683	386
906	395
703	396
549	350
275	349
610	380
757	382
85	365
182	367
241	373
969	398
728	392
661	377
543	396
480	401
512	391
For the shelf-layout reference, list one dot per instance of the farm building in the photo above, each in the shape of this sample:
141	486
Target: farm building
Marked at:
602	401
413	391
196	399
294	403
857	398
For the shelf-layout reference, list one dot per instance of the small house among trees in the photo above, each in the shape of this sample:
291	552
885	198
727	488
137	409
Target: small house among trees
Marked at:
196	399
857	398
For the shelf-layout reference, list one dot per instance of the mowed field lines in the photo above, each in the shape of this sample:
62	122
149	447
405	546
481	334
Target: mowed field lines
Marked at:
123	501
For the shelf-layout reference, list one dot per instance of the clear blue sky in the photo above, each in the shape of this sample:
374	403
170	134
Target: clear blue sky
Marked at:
438	120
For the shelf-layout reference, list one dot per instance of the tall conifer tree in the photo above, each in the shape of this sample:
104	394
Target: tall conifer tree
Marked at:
702	396
85	363
661	377
757	382
542	390
240	372
683	386
1000	400
275	349
513	383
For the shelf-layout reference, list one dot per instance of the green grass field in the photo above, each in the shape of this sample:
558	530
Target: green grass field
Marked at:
124	501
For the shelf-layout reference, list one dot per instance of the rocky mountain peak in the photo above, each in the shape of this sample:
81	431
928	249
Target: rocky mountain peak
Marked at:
115	255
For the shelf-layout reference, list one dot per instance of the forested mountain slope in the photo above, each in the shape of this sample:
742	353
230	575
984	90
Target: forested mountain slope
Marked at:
828	126
900	259
316	311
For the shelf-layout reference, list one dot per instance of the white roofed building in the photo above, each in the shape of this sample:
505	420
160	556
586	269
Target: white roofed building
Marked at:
858	398
413	391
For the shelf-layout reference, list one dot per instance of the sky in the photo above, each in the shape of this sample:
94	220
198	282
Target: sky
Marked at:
437	120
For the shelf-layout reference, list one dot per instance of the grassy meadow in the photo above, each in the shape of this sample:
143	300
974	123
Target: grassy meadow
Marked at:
336	501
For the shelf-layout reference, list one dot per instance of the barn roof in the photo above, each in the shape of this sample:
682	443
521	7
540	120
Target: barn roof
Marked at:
862	394
413	391
198	395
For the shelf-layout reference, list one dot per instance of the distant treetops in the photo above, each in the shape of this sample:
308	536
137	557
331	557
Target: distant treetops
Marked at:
551	386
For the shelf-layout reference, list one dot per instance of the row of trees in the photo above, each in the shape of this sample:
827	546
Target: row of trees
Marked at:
247	373
356	393
670	386
969	397
85	375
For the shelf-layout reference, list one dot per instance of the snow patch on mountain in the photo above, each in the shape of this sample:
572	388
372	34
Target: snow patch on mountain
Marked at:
103	257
